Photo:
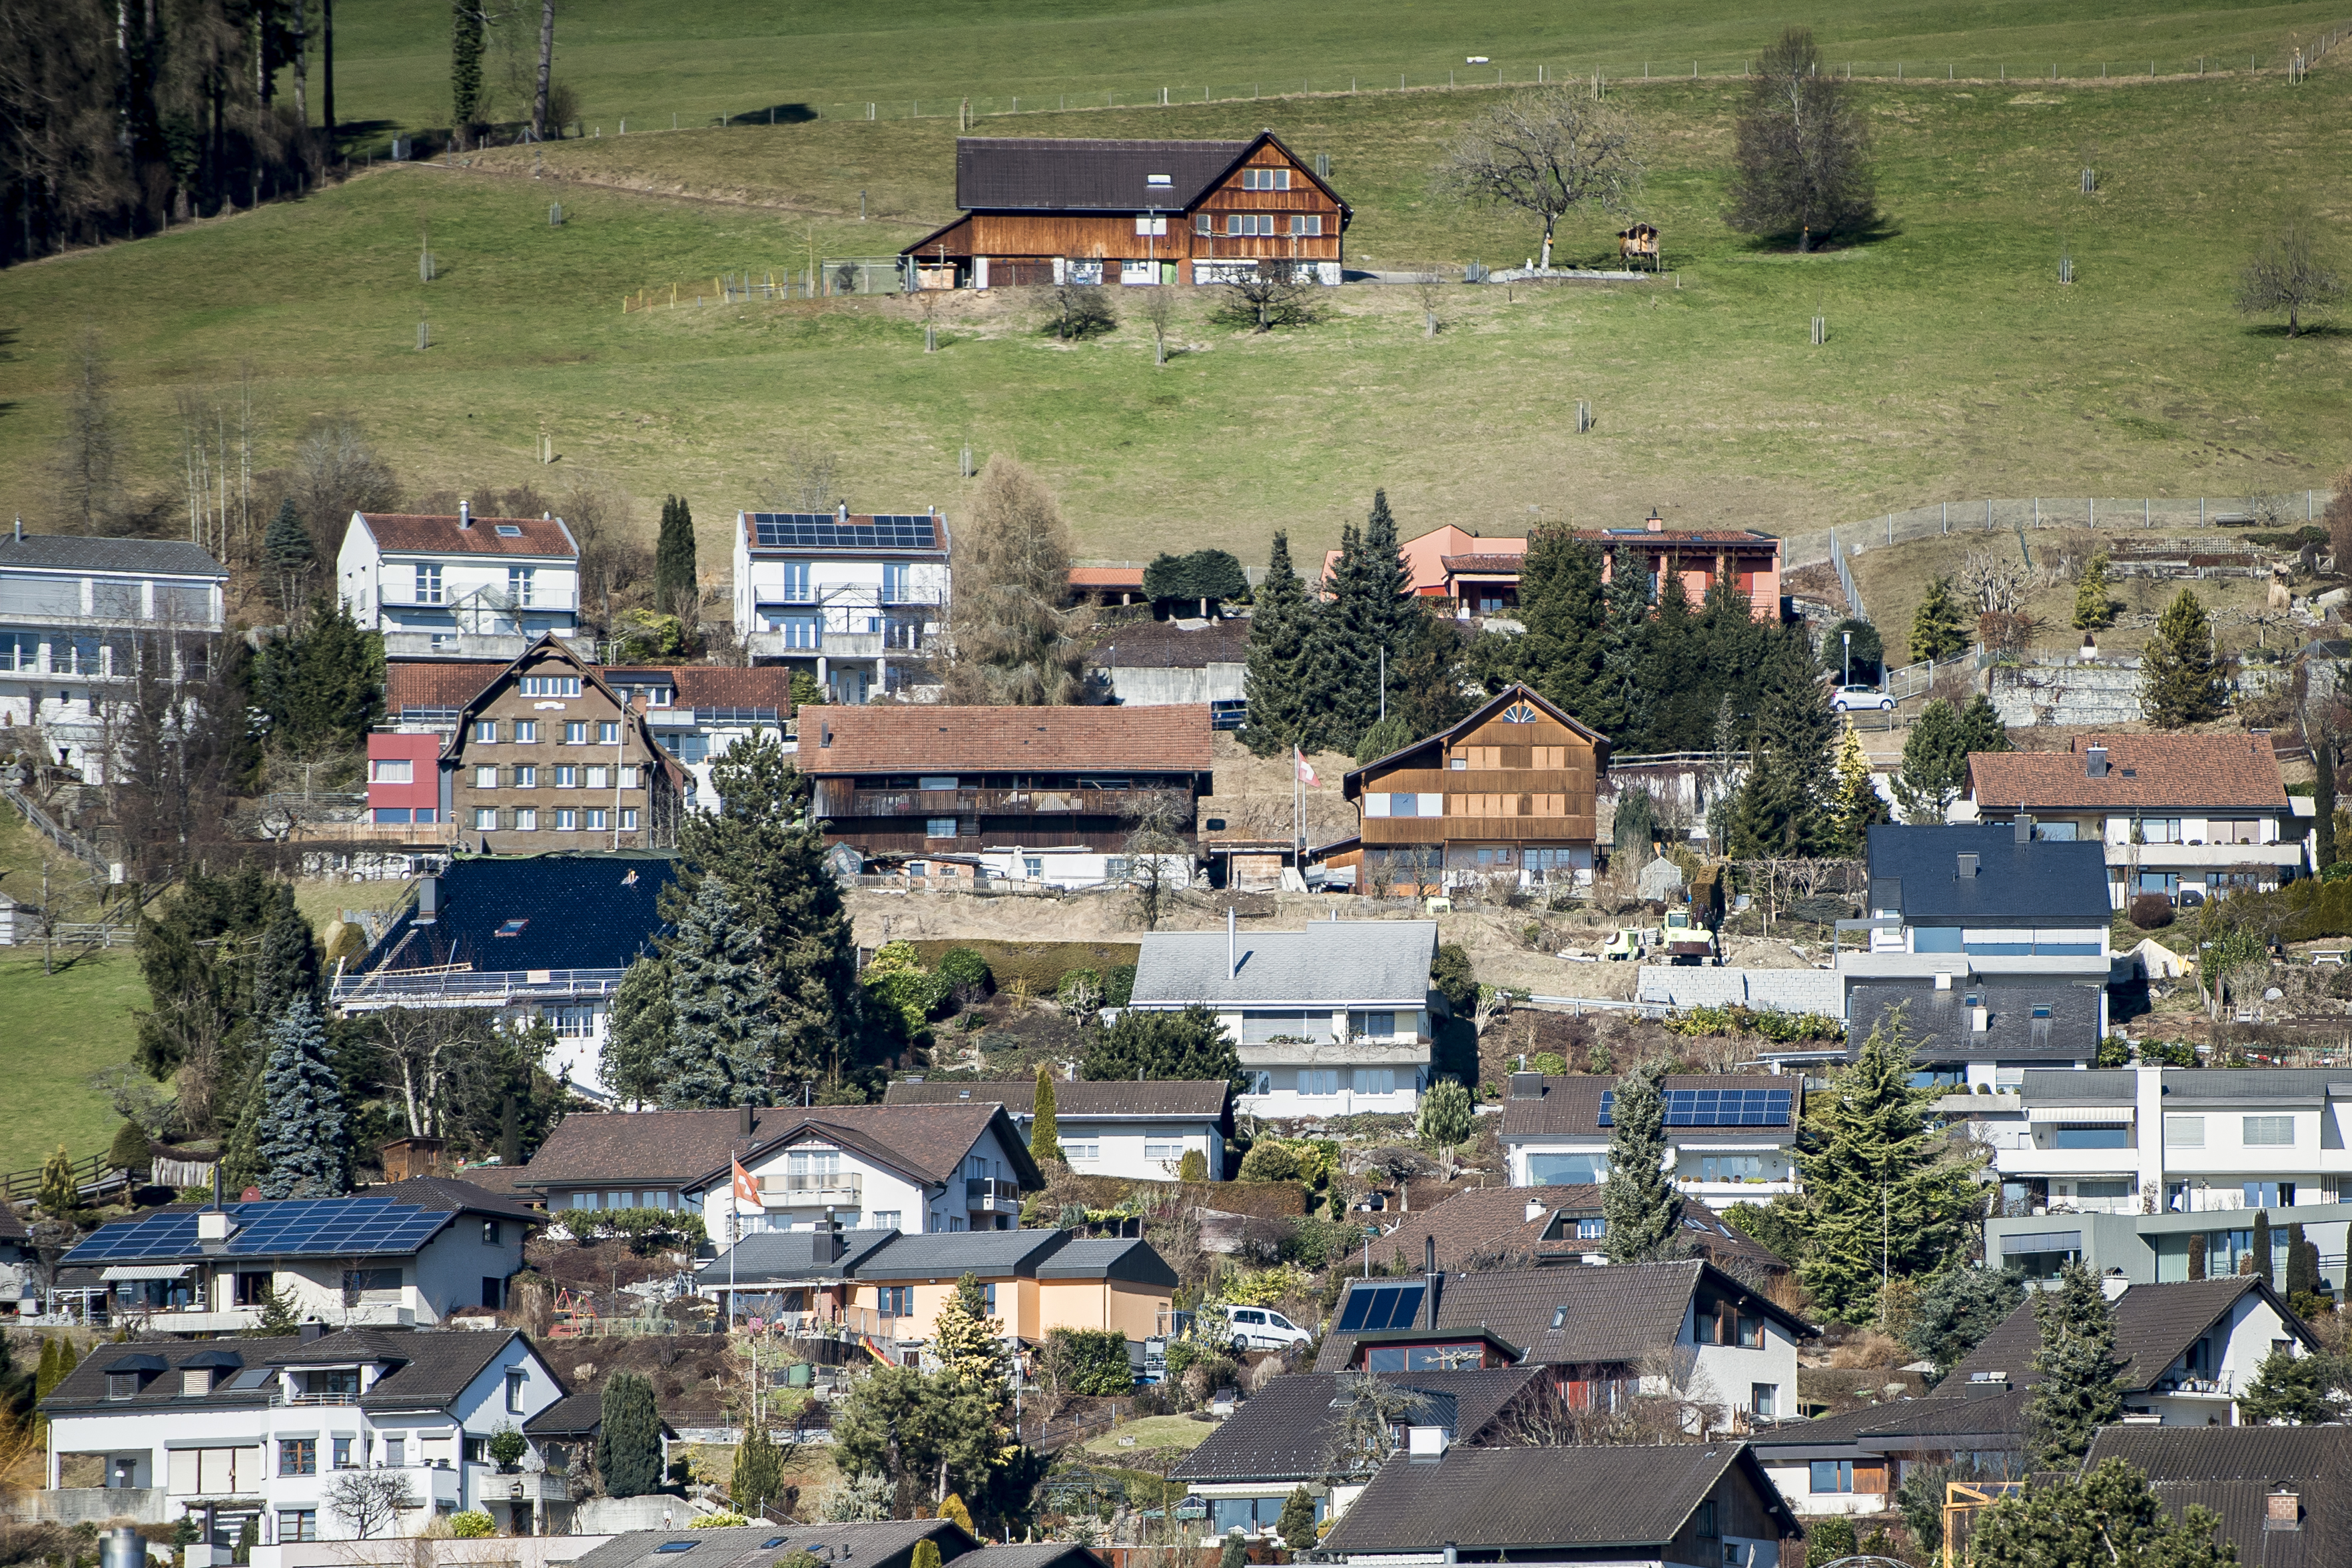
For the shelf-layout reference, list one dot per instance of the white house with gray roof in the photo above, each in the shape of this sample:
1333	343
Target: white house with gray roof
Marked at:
1329	1021
76	616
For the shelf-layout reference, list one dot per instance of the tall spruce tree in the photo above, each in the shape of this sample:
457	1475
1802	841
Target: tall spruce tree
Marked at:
2181	682
1889	1196
303	1145
1938	627
1045	1128
287	546
1638	1201
643	1024
2323	794
1784	809
1565	648
1622	700
1276	679
628	1441
1358	630
773	856
2077	1393
725	1044
286	966
465	64
674	573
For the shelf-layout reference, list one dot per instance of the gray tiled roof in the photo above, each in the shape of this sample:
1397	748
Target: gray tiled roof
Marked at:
1875	1426
430	1367
2187	1086
1490	1227
787	1256
946	1255
1110	1257
1612	1314
881	1543
454	1194
575	1416
77	552
1285	1431
1487	1500
2042	883
2154	1324
1942	1030
2094	1086
1201	1098
2233	1472
1331	963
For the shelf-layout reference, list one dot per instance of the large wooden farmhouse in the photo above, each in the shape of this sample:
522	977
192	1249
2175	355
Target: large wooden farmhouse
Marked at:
1069	210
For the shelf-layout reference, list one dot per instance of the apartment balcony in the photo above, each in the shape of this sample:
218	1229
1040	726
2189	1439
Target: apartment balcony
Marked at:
237	1319
814	1187
828	644
967	803
989	1194
2033	1161
1734	1190
2214	857
460	987
503	647
492	1484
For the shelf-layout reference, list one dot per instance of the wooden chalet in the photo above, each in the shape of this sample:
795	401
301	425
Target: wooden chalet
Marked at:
1508	792
1045	210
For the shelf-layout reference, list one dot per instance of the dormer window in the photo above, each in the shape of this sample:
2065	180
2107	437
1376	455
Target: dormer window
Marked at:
122	1385
195	1382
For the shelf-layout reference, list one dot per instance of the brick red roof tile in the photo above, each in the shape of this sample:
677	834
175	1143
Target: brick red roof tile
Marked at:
2144	772
888	739
428	683
713	685
413	531
1107	577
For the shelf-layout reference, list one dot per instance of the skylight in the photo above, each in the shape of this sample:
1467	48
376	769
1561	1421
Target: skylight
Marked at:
511	928
1158	179
508	530
677	1546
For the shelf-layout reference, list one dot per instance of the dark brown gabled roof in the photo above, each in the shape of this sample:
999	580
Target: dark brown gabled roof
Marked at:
1529	1499
1076	174
1174	739
1209	1098
433	683
686	1147
1287	1430
1571	1312
1987	1419
454	1194
552	646
2236	1471
429	1367
1570	1105
2154	1324
1489	1226
534	536
1351	784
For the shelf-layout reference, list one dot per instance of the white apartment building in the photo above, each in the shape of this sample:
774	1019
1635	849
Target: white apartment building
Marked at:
75	614
400	1255
1140	1130
260	1431
1729	1138
2191	817
462	587
1330	1020
853	599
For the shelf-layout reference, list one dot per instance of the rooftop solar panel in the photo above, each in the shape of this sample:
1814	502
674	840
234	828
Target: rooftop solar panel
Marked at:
1716	1108
825	531
315	1227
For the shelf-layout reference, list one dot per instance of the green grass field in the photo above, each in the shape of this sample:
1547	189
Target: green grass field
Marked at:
1957	366
702	59
63	1030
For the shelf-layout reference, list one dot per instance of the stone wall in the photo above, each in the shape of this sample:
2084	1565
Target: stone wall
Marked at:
1786	990
2106	692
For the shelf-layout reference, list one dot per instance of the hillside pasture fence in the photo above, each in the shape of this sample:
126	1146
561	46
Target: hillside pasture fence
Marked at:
2096	514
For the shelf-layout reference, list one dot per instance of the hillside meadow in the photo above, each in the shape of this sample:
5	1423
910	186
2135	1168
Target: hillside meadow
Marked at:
1957	364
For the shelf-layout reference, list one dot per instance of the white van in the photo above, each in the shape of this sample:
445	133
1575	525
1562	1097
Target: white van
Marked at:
1261	1328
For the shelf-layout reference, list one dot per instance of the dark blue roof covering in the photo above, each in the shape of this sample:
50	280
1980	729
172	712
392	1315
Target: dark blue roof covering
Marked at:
295	1227
1915	870
577	912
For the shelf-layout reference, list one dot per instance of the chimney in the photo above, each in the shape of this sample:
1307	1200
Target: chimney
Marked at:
1434	1280
313	1330
1424	1442
2112	1284
465	515
841	512
1654	523
828	1246
215	1224
2023	828
428	901
1984	1383
20	529
1233	950
1534	1210
1977	1018
1943	980
2094	762
121	1548
1968	867
743	1120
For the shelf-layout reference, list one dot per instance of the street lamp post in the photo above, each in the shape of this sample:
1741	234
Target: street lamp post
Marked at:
1849	658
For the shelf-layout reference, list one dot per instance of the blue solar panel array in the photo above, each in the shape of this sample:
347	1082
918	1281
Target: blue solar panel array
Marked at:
1716	1107
823	531
1373	1308
324	1227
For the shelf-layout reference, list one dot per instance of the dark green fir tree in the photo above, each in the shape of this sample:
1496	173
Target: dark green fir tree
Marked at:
1564	650
1785	809
2182	680
1638	1199
2077	1365
725	1045
1276	680
674	574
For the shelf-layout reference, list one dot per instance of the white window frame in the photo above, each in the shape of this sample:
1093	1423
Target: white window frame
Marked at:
428	583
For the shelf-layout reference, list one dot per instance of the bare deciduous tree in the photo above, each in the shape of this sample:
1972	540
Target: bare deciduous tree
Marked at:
1156	841
1009	640
1365	1436
2289	274
1159	309
1271	294
1994	581
370	1500
810	477
337	471
422	1046
1549	152
1079	311
546	64
1431	287
90	451
1800	166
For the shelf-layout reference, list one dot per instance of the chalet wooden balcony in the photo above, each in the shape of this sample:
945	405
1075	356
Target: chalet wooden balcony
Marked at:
968	802
1471	829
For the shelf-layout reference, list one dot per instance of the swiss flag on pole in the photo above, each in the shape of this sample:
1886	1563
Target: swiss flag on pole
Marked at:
745	1193
1305	774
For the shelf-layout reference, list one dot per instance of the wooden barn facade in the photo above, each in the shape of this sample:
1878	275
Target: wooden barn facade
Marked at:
1045	210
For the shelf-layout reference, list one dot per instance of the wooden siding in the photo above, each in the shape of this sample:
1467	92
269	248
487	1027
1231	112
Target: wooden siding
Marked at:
1521	783
1739	1511
1564	831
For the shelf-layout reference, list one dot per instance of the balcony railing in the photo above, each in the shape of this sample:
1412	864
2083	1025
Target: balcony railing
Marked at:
814	1186
473	988
991	1192
1075	800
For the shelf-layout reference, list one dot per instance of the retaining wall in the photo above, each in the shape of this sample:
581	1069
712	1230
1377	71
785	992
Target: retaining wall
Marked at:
1786	990
2103	693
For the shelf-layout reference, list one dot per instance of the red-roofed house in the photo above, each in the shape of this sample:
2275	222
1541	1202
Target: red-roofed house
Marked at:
2180	815
1107	585
1023	782
1479	576
462	587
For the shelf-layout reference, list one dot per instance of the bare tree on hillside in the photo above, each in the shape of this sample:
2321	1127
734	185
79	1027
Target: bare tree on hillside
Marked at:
1801	163
2289	273
337	471
1548	153
809	479
89	452
1009	640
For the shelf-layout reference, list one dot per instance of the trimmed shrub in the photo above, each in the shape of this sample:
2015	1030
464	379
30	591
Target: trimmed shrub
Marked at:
967	970
1088	1361
1269	1160
472	1524
1118	984
2151	911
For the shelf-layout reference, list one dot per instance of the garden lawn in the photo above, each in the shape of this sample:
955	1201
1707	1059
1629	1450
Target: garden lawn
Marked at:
63	1030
